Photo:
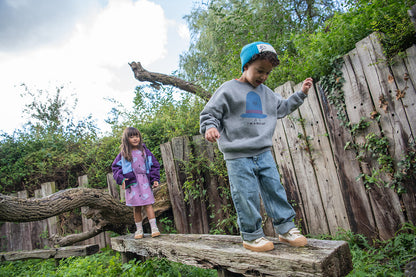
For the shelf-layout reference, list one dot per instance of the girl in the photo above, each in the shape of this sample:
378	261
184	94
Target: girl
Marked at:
135	168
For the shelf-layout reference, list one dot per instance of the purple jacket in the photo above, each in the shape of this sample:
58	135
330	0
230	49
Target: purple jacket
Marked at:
153	173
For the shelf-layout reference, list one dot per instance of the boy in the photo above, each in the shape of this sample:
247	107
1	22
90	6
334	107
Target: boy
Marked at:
242	116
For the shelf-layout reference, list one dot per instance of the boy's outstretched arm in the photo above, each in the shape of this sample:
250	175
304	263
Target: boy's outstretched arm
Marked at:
212	135
306	85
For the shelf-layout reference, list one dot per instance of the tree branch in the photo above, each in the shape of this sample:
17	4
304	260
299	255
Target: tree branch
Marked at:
156	79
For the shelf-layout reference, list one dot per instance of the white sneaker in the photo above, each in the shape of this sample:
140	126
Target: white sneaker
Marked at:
294	238
138	234
258	245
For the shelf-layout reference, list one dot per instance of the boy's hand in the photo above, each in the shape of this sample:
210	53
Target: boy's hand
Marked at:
212	135
155	184
307	84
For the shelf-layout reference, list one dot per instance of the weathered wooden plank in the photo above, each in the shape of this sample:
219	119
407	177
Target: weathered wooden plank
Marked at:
410	61
175	192
212	184
181	153
355	198
406	87
393	119
40	230
379	196
393	127
57	253
113	187
308	186
318	258
25	232
412	14
323	162
101	239
288	175
48	189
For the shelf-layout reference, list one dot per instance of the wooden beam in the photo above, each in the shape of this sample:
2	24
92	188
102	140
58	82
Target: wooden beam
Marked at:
226	254
56	253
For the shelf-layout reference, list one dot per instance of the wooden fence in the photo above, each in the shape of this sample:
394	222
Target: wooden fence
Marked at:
318	172
317	169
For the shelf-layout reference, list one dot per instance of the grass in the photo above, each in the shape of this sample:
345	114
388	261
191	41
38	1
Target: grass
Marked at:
370	258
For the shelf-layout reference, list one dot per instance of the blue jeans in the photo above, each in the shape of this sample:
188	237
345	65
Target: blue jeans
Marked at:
250	178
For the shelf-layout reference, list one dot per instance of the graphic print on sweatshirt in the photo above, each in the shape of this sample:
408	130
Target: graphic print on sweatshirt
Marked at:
254	109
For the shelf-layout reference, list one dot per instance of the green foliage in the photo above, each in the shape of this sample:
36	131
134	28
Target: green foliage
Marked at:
107	263
306	38
50	148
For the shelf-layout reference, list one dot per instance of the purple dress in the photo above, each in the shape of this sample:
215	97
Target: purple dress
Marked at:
141	193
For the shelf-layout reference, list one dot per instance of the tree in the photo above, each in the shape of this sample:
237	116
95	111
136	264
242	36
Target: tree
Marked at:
107	212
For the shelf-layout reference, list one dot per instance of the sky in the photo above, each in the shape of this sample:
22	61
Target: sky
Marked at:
86	47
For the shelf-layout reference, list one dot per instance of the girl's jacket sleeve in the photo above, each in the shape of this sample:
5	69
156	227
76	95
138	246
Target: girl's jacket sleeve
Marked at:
117	170
118	174
152	166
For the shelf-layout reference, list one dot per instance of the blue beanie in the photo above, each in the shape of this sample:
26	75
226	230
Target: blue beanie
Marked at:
252	49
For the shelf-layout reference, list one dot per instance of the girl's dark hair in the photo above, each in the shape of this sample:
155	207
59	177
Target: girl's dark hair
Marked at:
267	55
125	147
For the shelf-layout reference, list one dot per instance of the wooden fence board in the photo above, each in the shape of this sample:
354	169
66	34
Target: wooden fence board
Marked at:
181	153
48	189
101	239
410	62
392	127
400	74
215	202
175	191
288	175
24	233
393	119
359	104
305	174
355	198
323	162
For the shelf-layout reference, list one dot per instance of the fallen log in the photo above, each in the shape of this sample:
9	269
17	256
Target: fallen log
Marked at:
226	254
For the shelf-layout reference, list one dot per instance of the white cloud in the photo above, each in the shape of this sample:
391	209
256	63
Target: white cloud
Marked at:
90	60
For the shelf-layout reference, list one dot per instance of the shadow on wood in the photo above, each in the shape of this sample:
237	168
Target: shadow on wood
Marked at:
227	255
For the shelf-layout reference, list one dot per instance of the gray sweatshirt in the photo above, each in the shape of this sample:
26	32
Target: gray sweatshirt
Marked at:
246	117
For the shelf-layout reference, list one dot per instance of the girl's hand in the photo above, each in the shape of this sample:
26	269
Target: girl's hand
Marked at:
124	184
155	184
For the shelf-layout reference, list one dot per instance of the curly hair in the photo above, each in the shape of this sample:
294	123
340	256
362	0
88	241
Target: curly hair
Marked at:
267	55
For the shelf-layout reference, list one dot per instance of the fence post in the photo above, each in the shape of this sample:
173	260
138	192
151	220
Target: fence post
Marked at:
100	239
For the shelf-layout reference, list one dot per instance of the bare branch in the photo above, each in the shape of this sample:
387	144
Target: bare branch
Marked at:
156	79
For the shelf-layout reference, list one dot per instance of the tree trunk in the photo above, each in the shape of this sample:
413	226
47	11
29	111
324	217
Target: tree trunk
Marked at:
108	213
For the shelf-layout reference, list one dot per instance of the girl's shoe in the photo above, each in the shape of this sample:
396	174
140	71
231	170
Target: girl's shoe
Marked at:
155	232
294	238
138	234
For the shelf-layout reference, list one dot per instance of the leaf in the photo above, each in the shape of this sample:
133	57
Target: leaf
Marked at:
400	94
390	79
406	76
373	114
383	103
